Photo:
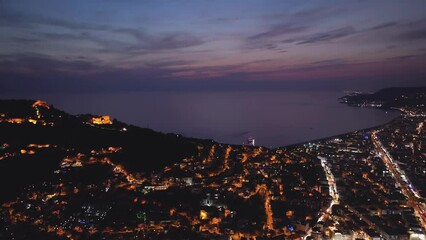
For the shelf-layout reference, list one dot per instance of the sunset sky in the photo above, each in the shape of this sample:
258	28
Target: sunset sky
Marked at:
92	46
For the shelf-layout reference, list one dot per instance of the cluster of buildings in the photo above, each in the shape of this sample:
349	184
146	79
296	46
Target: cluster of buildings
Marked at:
405	140
31	115
223	192
371	203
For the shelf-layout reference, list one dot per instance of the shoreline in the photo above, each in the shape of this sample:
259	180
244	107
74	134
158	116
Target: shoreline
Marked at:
338	135
362	129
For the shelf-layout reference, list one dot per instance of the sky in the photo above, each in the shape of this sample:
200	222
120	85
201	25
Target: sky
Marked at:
129	45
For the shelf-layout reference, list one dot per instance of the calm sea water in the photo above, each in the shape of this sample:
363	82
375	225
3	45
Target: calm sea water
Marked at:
272	118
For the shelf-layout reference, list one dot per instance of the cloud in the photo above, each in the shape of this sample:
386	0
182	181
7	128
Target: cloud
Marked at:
221	20
270	39
36	73
293	24
279	30
88	31
175	40
327	36
39	63
167	64
141	42
65	36
308	16
105	45
317	13
137	34
384	25
412	30
327	62
10	18
169	40
417	34
148	42
404	57
25	40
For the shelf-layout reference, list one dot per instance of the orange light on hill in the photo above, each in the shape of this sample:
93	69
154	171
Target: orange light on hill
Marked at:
203	215
40	103
101	120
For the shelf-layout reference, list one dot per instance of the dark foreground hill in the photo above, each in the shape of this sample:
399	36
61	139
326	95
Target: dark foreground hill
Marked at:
25	123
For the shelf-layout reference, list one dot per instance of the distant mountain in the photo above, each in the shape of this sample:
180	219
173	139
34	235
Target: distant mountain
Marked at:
413	97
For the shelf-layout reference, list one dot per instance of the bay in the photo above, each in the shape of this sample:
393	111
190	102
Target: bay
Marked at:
272	118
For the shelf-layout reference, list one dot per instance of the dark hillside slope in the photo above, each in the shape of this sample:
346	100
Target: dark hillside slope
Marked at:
143	150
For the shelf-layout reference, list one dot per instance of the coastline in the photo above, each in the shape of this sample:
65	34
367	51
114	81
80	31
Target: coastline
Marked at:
343	134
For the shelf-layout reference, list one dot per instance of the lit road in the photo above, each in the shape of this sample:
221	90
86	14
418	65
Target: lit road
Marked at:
413	199
332	192
264	192
331	185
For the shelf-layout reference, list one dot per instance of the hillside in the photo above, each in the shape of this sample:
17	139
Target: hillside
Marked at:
25	123
93	177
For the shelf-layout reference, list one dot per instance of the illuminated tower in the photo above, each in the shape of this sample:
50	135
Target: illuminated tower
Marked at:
250	141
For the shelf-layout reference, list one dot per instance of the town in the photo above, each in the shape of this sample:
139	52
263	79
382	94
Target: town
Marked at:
367	184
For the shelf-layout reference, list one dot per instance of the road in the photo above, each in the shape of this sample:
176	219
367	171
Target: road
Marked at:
331	185
413	199
332	192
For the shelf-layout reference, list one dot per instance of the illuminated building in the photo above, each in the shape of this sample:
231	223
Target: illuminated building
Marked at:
40	103
250	141
203	215
101	120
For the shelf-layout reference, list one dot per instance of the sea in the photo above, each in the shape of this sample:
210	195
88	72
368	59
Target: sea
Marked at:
272	118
